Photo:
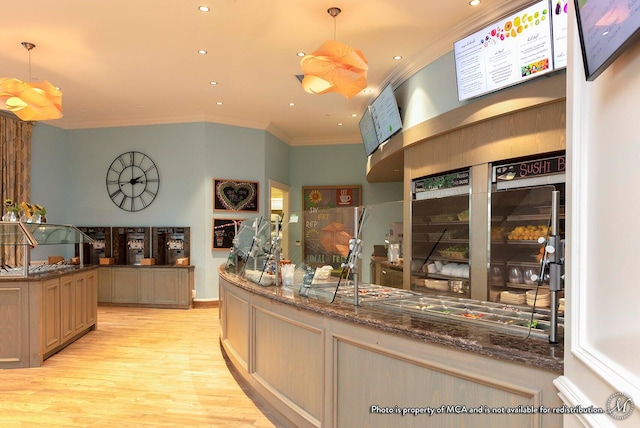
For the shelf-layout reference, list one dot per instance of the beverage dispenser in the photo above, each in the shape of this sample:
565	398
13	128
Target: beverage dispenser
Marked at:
130	244
101	246
170	244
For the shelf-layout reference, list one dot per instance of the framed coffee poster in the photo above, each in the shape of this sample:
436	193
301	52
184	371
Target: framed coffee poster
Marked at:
238	196
328	223
224	230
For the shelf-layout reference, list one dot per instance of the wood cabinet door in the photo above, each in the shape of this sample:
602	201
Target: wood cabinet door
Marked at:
79	291
166	289
105	294
125	285
91	298
51	314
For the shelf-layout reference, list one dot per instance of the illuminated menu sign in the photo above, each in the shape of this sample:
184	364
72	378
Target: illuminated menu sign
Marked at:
506	53
439	182
530	168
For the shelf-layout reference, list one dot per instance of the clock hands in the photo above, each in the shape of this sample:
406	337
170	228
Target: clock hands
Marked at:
132	181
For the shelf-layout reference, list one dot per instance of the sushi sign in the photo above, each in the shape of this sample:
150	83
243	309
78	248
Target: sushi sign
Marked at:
528	169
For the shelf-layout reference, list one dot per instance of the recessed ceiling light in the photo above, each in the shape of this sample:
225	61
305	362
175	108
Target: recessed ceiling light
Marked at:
474	2
301	54
213	82
202	52
204	9
291	104
354	115
219	103
397	57
339	123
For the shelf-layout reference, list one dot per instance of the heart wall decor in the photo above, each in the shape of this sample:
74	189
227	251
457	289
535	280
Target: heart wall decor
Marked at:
230	195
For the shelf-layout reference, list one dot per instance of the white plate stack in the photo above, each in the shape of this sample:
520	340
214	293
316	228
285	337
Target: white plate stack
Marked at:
543	299
513	297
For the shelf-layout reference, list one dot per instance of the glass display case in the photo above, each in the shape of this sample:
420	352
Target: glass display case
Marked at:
520	229
17	239
440	215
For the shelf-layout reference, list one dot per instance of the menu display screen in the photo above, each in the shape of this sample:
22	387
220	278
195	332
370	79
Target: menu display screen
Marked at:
385	114
506	53
606	27
559	26
368	133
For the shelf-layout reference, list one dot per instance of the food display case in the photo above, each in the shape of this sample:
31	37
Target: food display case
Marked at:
18	239
440	214
521	213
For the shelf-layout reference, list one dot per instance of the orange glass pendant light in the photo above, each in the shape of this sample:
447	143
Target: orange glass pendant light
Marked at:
30	101
334	67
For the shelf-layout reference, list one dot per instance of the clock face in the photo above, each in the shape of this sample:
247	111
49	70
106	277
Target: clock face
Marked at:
133	181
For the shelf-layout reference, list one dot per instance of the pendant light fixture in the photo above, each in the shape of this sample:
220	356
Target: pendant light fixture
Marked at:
30	101
334	67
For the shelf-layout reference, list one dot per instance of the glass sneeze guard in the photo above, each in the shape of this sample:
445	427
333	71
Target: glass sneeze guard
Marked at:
14	235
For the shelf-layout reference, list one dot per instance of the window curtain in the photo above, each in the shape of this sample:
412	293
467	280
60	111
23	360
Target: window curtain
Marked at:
15	172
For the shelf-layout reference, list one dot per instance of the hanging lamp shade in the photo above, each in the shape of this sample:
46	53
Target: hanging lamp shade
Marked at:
30	101
334	67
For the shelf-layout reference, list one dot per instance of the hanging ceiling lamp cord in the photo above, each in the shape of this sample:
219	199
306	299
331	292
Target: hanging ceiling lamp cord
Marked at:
28	46
334	11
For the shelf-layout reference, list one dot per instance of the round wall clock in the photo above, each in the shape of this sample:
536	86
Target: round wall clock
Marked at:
133	181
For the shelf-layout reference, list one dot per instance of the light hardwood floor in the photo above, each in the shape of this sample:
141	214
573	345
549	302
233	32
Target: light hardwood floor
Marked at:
140	368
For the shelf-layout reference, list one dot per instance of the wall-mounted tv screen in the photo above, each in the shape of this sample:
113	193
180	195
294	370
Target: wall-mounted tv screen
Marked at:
386	115
368	132
606	27
505	53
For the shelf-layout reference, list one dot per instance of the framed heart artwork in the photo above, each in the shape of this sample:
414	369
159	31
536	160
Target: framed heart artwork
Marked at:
232	195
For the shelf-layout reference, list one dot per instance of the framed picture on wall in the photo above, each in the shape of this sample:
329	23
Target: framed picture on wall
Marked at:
224	230
328	223
233	195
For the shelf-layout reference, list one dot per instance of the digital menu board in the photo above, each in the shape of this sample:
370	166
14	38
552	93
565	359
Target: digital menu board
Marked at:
385	114
606	27
559	23
368	132
505	53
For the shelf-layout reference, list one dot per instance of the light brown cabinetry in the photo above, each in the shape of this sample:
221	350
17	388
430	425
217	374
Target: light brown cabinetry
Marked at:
45	315
169	287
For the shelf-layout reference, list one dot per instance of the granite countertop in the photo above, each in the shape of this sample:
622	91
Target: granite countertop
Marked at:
463	336
41	276
148	266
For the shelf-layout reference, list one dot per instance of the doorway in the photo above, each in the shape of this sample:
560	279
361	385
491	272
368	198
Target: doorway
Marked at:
279	204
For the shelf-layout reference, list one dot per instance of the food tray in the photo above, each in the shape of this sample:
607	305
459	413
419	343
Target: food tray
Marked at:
456	255
434	236
439	218
500	316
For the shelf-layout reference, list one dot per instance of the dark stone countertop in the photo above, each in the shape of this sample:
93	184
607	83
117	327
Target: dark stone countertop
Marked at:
456	334
42	276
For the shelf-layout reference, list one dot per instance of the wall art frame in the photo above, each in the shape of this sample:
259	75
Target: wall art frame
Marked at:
235	195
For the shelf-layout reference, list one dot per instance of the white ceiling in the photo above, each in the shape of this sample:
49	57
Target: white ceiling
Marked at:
135	62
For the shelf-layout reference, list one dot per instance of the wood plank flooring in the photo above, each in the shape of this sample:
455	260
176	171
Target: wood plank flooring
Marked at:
140	368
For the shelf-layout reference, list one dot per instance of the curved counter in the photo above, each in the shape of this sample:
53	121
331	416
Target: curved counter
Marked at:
335	365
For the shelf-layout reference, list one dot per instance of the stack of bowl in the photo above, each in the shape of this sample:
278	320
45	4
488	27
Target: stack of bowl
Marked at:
543	299
512	297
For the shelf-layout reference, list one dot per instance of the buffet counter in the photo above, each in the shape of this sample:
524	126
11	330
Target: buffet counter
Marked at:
42	314
333	365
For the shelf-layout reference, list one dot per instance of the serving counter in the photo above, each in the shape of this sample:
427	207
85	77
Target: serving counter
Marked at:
43	314
338	365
